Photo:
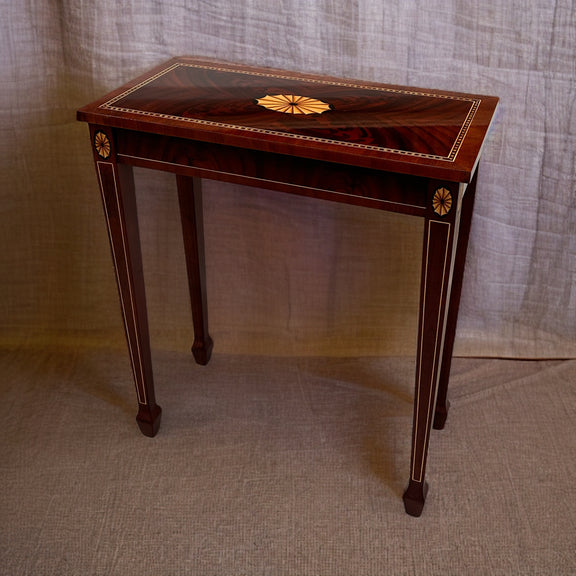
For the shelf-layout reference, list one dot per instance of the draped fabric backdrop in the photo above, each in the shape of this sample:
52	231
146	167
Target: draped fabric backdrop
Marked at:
289	275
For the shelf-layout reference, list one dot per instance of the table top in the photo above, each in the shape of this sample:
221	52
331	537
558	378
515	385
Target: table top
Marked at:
431	133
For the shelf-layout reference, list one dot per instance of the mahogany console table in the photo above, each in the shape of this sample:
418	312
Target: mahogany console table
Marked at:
385	147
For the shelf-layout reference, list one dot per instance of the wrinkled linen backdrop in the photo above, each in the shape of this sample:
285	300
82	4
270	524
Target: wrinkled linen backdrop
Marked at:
289	275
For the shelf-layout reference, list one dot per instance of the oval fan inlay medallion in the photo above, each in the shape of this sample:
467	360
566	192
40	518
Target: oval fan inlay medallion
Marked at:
442	201
291	104
102	144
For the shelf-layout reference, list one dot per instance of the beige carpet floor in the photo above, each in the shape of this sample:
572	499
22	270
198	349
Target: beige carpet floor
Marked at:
282	466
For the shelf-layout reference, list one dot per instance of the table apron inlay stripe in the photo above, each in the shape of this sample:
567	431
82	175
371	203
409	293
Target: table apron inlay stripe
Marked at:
265	180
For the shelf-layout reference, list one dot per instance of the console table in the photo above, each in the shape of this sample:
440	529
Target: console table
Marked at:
385	147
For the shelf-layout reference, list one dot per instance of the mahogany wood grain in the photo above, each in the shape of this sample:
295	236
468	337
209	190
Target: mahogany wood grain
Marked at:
393	148
431	133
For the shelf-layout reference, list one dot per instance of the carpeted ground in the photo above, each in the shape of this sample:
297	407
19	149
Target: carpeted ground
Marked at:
287	466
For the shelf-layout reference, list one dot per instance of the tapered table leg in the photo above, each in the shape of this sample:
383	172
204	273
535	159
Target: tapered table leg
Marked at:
440	237
191	214
118	196
442	403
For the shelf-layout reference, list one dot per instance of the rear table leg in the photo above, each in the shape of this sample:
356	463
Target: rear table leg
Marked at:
442	403
190	199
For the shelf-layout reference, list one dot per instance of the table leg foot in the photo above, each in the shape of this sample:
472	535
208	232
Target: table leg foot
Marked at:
202	351
414	497
148	419
440	416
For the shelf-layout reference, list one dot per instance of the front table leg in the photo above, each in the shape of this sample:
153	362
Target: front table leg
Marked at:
440	233
118	195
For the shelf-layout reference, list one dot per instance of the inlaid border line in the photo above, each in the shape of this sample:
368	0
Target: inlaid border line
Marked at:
475	103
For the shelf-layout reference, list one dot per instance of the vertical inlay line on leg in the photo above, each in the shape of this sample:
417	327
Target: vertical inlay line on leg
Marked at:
138	373
438	335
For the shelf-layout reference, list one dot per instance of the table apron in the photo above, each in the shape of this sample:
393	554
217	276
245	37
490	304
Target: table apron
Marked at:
314	178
